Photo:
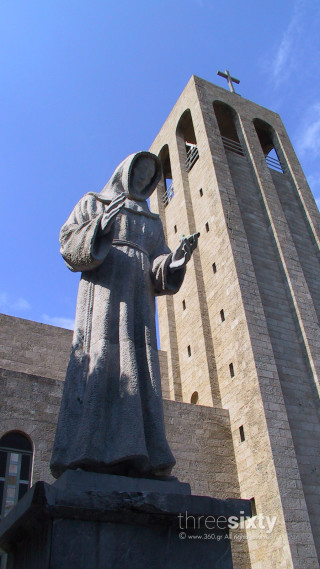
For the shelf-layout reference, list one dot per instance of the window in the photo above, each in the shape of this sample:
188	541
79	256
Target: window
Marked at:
185	131
194	398
267	138
241	431
184	304
201	192
168	189
226	119
231	370
253	507
214	268
207	227
189	351
175	229
222	316
15	469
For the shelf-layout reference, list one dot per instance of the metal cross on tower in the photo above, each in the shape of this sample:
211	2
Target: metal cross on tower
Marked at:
230	79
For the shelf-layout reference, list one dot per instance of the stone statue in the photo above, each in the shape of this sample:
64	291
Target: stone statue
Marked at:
111	416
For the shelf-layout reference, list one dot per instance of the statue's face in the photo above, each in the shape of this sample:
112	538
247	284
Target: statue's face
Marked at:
142	174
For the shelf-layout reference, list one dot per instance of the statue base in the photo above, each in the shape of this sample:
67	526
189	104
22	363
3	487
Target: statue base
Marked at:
104	521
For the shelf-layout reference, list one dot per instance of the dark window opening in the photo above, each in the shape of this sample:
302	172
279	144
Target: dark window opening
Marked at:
201	192
15	469
231	369
222	316
214	267
15	440
253	506
189	351
184	304
226	116
207	227
186	130
194	398
241	431
164	158
267	138
175	229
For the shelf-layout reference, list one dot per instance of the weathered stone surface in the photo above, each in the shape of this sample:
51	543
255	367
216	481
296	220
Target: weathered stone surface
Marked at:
44	350
87	525
76	480
34	348
111	416
200	437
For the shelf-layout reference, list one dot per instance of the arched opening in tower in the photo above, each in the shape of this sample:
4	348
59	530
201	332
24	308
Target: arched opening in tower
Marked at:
225	116
164	157
266	137
185	128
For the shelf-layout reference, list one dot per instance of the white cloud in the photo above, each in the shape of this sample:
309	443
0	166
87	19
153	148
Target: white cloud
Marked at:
3	299
7	303
308	136
59	321
21	304
285	56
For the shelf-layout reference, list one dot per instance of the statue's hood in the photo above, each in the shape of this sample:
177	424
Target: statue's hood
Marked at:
121	179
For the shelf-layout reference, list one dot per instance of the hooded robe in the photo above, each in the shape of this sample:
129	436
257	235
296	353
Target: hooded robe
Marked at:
111	411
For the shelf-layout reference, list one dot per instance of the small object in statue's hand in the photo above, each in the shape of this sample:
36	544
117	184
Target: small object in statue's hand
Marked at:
192	239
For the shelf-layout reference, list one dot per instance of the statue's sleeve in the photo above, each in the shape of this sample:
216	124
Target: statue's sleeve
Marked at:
165	281
82	246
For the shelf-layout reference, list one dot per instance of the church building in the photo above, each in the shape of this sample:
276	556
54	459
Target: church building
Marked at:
240	341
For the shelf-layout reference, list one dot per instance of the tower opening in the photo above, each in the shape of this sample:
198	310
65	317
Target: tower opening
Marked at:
225	116
185	128
266	137
164	158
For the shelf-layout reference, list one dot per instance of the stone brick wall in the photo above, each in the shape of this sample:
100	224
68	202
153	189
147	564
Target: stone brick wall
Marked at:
34	348
270	459
30	404
44	350
201	441
181	328
305	244
298	389
199	437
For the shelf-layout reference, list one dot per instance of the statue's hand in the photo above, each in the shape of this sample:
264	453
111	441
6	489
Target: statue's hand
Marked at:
183	252
111	212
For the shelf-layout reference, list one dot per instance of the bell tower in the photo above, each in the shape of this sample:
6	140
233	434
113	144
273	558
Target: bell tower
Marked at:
243	333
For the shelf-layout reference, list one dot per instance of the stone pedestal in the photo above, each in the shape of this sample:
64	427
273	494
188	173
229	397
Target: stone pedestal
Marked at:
109	522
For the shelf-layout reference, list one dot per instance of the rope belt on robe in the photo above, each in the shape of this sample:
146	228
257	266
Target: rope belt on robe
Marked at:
120	242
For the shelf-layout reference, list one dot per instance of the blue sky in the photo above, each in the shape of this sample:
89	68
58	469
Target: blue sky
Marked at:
85	83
